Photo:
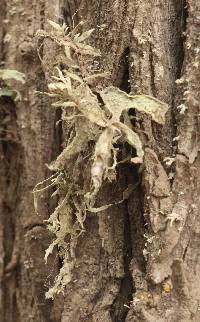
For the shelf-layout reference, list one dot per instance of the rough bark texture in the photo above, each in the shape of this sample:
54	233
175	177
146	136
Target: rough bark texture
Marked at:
139	261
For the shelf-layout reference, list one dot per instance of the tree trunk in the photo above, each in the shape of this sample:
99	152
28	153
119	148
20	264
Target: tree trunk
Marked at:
137	261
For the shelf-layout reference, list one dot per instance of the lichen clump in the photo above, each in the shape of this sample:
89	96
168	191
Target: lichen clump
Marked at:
7	75
93	131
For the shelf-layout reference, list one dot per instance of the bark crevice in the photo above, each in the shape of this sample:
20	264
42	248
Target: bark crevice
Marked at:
125	79
183	28
120	307
124	298
152	71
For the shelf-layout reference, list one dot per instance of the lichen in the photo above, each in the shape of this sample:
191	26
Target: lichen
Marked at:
92	143
7	75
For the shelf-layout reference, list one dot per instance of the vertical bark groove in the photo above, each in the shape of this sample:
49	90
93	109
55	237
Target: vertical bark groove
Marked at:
121	304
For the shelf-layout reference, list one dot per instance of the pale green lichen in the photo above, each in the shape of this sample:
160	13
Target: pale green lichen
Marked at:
7	75
91	143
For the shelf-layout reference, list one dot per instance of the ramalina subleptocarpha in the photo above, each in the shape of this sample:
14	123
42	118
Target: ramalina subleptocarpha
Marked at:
90	143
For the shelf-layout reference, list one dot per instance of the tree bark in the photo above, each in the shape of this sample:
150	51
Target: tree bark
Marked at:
138	261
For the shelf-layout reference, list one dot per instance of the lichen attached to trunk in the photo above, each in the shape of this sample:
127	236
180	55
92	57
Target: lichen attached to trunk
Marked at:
96	128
